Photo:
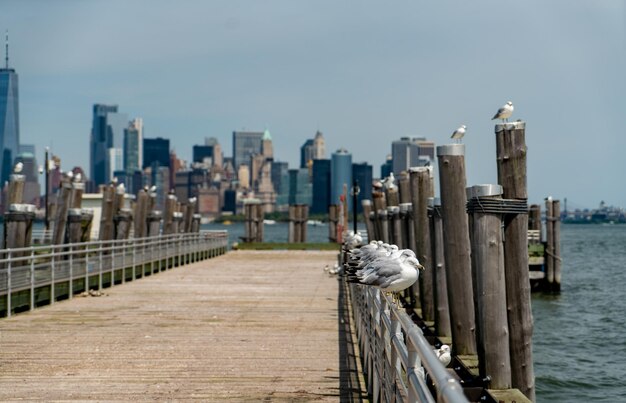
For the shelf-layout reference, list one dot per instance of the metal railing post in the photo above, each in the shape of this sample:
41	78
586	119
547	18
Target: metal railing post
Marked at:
32	278
100	253
9	308
52	276
71	286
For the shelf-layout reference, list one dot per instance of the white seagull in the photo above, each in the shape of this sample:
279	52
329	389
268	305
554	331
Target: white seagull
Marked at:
505	112
18	167
459	133
444	354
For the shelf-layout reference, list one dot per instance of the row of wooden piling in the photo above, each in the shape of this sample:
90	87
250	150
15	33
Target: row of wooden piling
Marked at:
476	285
73	224
254	222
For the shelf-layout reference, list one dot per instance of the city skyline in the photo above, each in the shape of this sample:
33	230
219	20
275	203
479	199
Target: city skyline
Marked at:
366	76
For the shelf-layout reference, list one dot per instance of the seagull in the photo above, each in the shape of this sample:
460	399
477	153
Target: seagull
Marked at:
326	268
153	189
18	167
391	271
78	177
443	354
505	112
389	182
459	133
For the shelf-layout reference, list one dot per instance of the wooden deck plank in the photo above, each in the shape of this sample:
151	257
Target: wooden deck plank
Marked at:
248	325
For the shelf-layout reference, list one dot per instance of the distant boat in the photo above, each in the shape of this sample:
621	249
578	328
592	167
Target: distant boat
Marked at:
269	222
315	222
226	222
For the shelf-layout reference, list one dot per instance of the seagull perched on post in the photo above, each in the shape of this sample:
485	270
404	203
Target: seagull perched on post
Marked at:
505	112
18	167
459	133
383	266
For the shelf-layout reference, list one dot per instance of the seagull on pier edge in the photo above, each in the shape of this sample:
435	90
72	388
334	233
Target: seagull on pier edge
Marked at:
505	112
459	133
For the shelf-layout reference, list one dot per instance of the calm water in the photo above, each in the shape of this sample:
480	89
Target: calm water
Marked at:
579	339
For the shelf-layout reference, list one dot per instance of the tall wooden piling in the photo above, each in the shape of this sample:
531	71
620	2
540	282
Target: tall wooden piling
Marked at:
442	314
404	187
369	224
74	225
556	232
123	221
511	161
107	232
405	224
395	226
380	203
260	213
304	217
76	198
534	219
392	196
190	210
168	215
154	223
195	226
421	190
16	190
18	223
141	214
298	216
451	159
383	219
60	218
490	285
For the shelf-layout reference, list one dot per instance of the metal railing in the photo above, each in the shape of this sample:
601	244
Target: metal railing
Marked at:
47	266
396	355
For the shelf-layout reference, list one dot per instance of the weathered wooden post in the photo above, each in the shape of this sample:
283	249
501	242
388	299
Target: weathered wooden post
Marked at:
260	213
18	223
78	188
304	217
123	221
406	224
74	225
195	225
178	222
383	219
421	186
168	215
16	189
86	222
534	219
392	196
369	225
395	227
511	160
154	222
490	292
141	214
380	203
293	236
440	288
451	158
106	219
404	187
63	204
556	235
190	209
333	210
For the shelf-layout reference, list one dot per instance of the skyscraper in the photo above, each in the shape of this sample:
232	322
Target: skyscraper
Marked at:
312	149
341	174
245	144
9	117
321	186
107	134
156	152
133	146
408	152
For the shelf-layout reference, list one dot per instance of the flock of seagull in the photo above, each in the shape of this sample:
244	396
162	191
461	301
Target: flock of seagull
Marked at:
504	113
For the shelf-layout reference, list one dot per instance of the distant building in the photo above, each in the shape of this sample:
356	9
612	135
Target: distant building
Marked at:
341	174
245	144
387	167
408	152
133	146
31	180
321	186
107	132
156	151
279	169
306	153
300	188
362	174
9	118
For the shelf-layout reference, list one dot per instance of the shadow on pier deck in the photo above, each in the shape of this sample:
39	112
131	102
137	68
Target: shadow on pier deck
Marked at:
244	326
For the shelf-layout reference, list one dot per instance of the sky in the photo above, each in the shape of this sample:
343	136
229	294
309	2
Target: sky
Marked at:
363	73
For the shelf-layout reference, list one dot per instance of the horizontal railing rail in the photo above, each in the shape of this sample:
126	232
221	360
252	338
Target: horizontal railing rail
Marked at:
34	267
396	355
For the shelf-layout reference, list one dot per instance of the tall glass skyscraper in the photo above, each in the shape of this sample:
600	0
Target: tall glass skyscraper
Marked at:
9	118
341	174
245	144
107	133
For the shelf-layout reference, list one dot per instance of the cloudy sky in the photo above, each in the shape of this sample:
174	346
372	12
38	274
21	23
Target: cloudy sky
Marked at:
364	73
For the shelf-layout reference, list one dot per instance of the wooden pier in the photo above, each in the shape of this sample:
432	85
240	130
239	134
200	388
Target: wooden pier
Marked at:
246	326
